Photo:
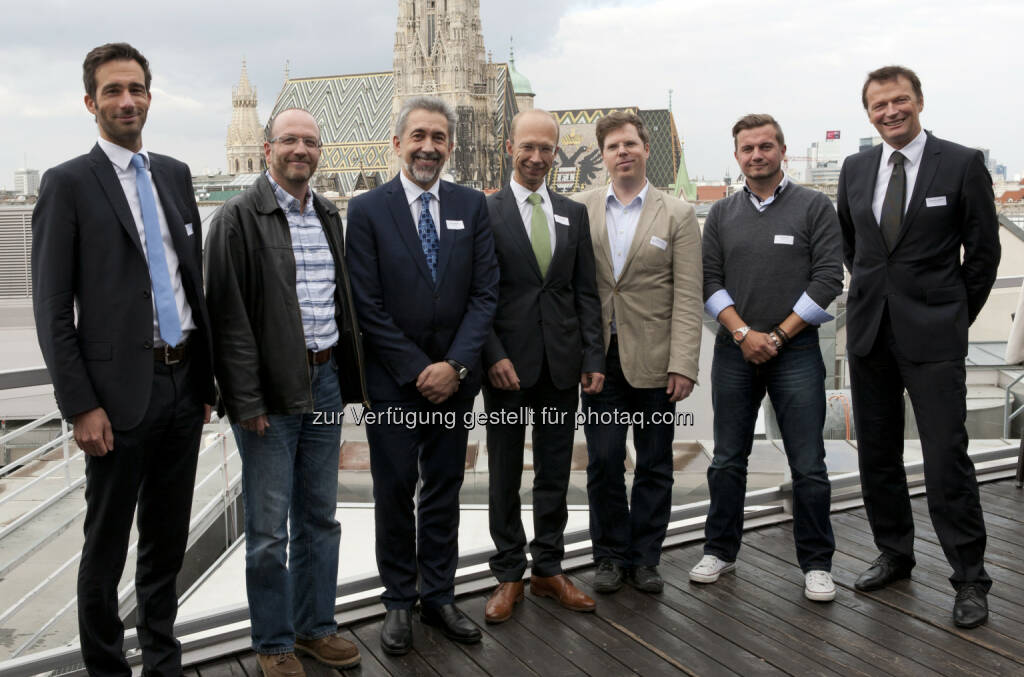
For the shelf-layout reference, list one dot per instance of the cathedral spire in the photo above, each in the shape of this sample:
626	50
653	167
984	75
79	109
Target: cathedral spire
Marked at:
245	133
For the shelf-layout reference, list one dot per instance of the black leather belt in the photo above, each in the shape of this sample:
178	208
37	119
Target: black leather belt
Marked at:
167	355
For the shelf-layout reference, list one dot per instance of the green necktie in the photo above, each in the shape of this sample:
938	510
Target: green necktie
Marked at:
539	234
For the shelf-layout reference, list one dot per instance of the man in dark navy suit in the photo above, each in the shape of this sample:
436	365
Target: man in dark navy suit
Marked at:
907	207
116	235
546	341
425	283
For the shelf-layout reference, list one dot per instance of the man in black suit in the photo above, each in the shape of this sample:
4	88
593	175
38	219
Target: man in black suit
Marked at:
116	234
906	208
425	285
546	339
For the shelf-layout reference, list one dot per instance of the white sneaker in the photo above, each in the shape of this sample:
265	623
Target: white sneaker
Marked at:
818	586
709	568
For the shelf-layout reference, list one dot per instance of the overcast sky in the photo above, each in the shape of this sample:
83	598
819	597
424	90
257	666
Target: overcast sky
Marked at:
802	61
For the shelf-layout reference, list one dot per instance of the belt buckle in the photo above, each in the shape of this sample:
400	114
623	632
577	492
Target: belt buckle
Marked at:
168	360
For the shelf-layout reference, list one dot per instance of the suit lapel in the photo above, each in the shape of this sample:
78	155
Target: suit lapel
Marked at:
930	160
599	224
407	230
512	222
107	177
648	213
561	230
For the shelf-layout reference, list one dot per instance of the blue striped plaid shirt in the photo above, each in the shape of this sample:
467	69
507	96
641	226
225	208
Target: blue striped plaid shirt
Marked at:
314	269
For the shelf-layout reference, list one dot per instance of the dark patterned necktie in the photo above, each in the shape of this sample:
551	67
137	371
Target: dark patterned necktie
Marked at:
892	206
428	236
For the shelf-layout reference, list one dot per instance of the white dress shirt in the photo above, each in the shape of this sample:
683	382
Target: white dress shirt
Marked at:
121	159
912	153
413	193
621	221
526	209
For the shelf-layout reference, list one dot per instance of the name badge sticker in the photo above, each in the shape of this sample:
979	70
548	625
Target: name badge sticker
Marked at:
188	229
454	225
659	243
939	201
783	239
564	220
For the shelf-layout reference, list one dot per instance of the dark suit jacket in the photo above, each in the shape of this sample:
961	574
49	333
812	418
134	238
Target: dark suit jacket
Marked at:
557	316
86	251
932	297
408	322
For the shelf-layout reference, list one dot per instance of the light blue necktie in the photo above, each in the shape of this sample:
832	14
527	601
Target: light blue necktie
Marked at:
428	236
163	293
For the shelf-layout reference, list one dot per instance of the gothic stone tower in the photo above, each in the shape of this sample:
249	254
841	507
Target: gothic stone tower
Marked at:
245	133
439	51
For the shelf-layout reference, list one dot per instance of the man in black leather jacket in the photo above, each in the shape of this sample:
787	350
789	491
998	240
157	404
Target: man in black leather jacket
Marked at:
287	353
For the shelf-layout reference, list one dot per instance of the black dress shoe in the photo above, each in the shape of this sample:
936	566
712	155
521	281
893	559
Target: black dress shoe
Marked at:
971	607
646	579
452	622
883	571
609	576
396	634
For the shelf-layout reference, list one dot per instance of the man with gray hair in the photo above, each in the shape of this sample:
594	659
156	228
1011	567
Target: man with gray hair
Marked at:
287	355
425	282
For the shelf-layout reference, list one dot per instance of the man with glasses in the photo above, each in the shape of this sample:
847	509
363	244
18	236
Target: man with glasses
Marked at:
287	356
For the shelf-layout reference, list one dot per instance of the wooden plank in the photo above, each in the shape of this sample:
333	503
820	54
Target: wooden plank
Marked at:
783	621
922	599
885	639
410	664
519	642
547	620
251	664
368	666
694	647
612	642
443	654
228	666
1004	488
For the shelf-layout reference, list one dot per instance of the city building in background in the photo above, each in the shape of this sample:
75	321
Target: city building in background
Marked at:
26	181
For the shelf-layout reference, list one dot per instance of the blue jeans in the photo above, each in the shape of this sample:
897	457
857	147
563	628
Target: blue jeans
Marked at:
795	382
628	534
290	490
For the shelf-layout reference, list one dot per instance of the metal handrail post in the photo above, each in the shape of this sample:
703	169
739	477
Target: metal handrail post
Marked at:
1007	416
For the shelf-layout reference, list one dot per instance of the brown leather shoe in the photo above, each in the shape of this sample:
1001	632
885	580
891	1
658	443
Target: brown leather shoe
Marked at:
280	665
331	650
561	588
502	601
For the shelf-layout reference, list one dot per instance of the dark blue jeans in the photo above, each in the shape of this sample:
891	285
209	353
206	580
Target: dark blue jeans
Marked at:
290	491
628	534
795	382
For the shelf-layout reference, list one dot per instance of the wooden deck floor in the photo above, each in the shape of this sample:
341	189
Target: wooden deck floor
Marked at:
755	622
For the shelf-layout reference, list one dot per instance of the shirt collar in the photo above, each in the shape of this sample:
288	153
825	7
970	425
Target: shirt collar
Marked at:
120	156
413	192
286	200
778	189
522	192
912	151
638	200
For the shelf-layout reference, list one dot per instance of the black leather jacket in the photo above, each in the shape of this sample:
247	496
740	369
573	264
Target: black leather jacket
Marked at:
258	342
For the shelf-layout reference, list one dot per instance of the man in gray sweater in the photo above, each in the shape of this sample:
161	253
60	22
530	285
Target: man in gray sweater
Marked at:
772	264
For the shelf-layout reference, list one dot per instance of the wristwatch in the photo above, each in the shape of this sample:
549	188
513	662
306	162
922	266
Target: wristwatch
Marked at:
740	335
460	370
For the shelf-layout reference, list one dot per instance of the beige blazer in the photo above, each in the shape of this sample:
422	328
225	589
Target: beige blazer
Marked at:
658	299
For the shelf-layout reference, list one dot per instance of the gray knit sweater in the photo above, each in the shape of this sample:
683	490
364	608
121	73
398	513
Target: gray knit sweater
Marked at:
768	260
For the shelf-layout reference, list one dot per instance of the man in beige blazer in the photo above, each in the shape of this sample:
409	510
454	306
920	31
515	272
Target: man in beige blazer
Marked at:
648	260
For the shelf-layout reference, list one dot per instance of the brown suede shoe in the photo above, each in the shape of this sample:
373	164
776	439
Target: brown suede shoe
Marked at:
561	588
331	650
502	601
280	665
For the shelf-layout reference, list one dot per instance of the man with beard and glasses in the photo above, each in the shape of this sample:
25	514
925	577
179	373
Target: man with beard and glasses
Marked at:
425	282
772	264
287	352
118	297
